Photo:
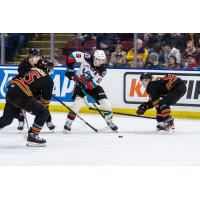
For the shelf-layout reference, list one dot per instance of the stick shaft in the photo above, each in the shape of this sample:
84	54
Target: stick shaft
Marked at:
94	129
119	113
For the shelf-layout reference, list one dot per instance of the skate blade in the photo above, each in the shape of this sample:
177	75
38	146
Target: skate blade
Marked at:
33	144
166	132
107	130
66	131
50	131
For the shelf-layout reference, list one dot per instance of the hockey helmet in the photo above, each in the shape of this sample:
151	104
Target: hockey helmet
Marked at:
45	64
34	52
146	75
99	54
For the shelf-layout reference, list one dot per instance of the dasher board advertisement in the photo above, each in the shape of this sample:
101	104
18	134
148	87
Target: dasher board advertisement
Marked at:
134	92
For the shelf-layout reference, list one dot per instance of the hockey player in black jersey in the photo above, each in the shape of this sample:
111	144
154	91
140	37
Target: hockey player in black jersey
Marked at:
91	72
20	95
162	92
34	55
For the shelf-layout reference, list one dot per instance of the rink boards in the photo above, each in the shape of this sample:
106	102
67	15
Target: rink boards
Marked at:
122	88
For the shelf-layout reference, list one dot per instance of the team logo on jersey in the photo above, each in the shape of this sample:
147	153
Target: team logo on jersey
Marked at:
78	55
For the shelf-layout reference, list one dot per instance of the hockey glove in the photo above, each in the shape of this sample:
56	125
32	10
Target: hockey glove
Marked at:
82	86
69	74
142	109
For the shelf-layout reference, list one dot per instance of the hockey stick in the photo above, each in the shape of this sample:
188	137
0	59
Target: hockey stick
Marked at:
94	129
90	99
26	120
119	113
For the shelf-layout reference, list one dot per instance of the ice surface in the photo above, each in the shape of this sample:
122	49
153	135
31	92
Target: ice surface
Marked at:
140	145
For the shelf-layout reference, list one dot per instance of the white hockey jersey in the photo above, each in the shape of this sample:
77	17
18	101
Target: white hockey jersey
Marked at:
87	73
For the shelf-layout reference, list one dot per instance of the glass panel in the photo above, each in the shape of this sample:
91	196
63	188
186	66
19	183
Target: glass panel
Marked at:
123	50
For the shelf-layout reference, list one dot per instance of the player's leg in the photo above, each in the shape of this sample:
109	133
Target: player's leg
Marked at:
164	116
77	105
99	95
175	94
41	114
164	119
49	122
164	105
10	112
78	98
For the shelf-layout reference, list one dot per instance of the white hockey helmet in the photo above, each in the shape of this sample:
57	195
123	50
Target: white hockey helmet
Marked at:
99	54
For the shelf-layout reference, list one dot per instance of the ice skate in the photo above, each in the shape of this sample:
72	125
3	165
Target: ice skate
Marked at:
35	141
67	127
166	127
50	125
20	126
112	125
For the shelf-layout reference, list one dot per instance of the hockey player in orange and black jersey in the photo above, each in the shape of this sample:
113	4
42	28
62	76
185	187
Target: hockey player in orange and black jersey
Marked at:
162	92
34	55
90	74
20	95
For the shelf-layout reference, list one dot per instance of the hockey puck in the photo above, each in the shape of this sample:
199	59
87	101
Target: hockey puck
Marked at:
120	136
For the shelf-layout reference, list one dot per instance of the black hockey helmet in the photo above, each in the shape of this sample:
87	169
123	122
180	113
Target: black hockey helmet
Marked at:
146	75
34	52
45	64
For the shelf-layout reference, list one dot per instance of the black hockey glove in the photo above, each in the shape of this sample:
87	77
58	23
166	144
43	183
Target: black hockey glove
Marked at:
142	109
69	74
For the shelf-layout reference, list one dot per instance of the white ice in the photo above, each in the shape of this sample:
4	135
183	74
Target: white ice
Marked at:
140	145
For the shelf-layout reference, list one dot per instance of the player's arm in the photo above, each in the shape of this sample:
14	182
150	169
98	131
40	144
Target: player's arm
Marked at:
153	100
74	57
46	92
144	107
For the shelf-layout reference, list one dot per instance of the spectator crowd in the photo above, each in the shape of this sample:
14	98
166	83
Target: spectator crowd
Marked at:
179	51
154	51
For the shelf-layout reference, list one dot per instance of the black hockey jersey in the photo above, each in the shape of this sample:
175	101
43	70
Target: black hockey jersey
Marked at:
160	87
33	82
24	67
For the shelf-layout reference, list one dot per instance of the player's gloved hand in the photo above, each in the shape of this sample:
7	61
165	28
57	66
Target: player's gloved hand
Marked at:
142	109
83	86
69	74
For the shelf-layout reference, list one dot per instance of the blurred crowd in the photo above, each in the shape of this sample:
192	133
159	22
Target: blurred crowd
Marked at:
154	51
14	43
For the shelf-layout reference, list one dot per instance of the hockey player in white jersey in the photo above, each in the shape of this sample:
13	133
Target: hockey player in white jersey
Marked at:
89	76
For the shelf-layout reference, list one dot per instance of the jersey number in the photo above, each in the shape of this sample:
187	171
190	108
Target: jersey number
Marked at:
31	76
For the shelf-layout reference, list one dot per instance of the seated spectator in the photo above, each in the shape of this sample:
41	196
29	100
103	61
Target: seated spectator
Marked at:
140	63
176	39
191	50
193	37
152	61
197	56
170	50
118	56
141	53
172	64
150	39
191	63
